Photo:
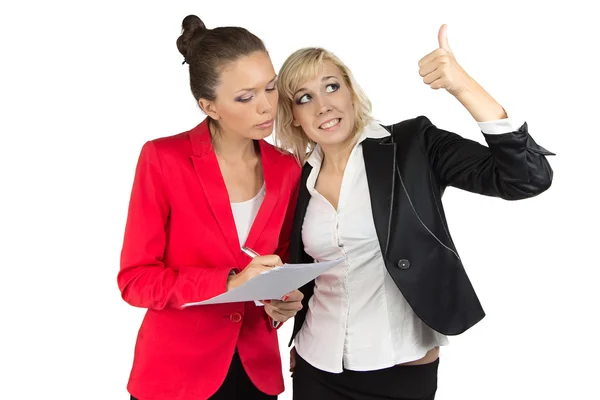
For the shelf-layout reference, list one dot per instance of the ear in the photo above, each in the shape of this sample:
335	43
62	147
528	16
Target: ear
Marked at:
209	108
295	122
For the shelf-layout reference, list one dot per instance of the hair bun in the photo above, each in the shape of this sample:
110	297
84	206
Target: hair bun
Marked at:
191	26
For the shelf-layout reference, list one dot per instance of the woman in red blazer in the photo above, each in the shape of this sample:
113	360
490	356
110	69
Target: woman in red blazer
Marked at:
198	197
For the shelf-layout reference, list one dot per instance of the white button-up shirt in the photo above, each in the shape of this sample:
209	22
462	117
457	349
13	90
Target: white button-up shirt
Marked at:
357	318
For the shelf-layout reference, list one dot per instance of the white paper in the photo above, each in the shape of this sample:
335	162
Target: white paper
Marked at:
272	284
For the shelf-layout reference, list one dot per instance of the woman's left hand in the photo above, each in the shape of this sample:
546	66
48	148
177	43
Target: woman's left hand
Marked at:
286	308
440	70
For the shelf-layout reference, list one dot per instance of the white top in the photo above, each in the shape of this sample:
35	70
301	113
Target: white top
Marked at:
357	318
245	212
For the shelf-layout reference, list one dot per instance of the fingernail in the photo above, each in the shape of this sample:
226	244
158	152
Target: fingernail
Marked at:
285	298
266	301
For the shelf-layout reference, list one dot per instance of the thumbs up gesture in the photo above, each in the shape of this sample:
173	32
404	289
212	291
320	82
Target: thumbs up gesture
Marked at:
439	68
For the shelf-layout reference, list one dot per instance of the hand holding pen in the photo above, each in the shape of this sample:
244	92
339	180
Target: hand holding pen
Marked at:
257	266
278	310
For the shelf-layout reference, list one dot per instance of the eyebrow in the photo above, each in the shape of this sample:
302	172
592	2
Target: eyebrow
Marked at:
322	80
251	89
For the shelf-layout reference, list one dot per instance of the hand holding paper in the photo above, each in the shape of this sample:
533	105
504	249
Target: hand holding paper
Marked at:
286	308
273	283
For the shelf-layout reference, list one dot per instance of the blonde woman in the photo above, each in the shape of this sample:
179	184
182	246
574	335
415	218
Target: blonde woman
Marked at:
371	328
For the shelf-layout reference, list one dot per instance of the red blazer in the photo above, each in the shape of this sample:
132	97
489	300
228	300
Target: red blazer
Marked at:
180	245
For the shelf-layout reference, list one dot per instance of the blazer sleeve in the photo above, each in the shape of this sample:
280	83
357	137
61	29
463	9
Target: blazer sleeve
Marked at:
513	166
144	280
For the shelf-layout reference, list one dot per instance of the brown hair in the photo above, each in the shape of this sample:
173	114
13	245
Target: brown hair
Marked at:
208	50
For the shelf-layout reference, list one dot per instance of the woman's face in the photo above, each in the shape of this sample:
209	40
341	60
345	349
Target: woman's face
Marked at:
323	107
246	97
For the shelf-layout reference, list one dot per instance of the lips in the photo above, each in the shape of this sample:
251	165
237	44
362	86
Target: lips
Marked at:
330	123
266	124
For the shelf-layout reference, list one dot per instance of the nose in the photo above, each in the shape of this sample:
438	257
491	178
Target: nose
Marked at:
264	105
322	105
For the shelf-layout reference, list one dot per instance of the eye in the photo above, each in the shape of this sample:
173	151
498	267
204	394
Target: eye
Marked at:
244	99
271	89
332	87
303	100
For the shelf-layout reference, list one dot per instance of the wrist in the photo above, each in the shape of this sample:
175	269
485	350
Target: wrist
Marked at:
479	103
470	90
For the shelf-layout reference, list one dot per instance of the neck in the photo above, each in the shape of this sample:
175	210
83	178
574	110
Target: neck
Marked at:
232	148
335	157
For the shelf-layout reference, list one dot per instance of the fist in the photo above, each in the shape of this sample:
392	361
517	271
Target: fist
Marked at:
440	70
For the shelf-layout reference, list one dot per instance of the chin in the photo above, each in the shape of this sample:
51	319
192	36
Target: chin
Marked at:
334	139
258	134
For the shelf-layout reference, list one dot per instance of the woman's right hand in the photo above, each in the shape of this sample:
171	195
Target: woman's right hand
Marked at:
293	354
257	266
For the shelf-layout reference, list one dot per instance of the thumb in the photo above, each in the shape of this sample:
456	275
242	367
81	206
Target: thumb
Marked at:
443	38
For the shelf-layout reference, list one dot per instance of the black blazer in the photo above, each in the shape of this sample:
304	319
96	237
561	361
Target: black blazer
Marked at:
407	173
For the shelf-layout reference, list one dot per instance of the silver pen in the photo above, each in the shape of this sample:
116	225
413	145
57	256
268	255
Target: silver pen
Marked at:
249	252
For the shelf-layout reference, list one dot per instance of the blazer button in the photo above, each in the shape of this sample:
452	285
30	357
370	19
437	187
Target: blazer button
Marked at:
236	317
404	264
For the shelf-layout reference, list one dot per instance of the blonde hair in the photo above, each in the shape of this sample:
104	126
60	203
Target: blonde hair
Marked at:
299	67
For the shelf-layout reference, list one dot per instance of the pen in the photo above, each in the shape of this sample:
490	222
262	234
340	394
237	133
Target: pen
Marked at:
249	252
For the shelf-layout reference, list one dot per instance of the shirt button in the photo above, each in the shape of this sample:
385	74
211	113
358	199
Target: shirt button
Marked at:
404	264
235	317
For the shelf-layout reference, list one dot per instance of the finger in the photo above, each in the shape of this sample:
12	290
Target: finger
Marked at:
428	58
438	84
428	68
276	315
433	56
263	268
289	310
272	310
443	38
268	261
432	77
287	307
256	270
296	295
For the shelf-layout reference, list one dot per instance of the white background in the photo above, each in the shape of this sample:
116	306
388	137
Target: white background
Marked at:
84	84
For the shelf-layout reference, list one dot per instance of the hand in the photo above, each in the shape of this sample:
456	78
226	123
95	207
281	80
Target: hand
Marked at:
286	308
257	266
293	359
440	69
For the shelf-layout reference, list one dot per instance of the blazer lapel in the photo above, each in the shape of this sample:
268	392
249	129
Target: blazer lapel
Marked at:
209	174
380	164
273	182
296	246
